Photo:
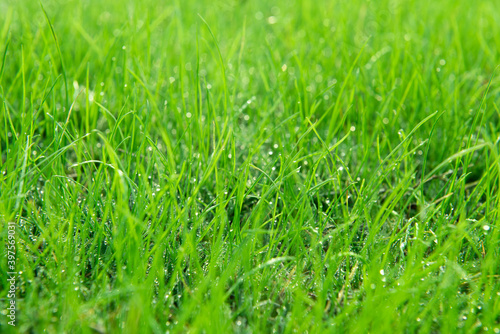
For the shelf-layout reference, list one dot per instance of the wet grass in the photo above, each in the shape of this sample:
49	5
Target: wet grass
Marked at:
242	166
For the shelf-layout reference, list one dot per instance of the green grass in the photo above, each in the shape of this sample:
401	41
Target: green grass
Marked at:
251	166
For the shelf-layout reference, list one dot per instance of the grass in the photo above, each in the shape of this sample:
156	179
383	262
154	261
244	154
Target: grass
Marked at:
247	166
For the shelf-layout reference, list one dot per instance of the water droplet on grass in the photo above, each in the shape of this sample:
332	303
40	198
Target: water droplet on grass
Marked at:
272	20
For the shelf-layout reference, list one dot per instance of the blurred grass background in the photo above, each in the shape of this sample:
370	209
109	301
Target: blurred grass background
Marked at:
251	166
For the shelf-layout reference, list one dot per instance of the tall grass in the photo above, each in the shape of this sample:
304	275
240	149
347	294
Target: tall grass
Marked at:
247	166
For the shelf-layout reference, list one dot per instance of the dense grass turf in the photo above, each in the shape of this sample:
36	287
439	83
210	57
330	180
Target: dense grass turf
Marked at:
248	166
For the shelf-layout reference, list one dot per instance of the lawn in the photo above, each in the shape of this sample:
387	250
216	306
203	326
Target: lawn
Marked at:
250	166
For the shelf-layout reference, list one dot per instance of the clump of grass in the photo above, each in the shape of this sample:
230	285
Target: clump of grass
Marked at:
251	167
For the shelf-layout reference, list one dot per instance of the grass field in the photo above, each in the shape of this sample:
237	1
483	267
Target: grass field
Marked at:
250	166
